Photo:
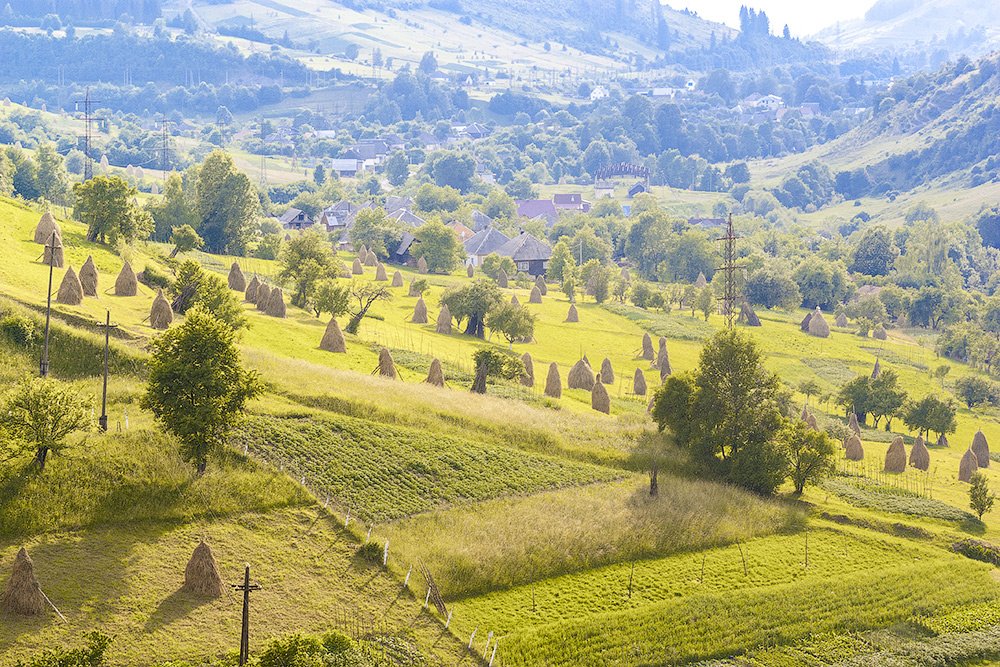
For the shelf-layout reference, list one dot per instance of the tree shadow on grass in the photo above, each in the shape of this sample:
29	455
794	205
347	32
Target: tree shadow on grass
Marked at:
177	605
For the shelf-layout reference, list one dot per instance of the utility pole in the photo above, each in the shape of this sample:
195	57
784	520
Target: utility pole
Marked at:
103	421
165	148
88	165
729	257
44	365
247	588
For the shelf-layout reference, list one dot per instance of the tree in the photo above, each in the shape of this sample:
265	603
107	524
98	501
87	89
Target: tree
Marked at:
704	301
499	205
821	282
810	453
397	168
50	174
305	261
227	204
105	205
881	397
980	497
471	303
513	322
172	210
499	364
374	230
454	169
428	63
562	260
521	188
809	388
974	390
38	414
875	252
493	262
185	239
772	287
197	385
211	294
440	247
319	174
930	414
686	256
331	298
366	293
431	198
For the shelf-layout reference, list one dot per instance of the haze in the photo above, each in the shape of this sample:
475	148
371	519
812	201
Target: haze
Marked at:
803	18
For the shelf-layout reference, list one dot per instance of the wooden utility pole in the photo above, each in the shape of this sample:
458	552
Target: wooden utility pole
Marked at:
103	421
246	587
44	364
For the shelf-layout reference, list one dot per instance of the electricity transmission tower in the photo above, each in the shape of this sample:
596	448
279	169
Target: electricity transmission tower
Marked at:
88	117
729	267
164	148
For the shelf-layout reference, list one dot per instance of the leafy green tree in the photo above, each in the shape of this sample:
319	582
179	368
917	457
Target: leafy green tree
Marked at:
521	188
562	260
772	287
428	63
431	198
499	205
686	256
174	209
397	168
319	174
586	246
471	303
493	262
440	247
981	499
974	390
875	252
185	239
366	294
305	261
499	363
569	284
227	204
930	414
50	174
821	282
705	300
880	398
810	454
197	385
331	297
105	205
39	414
211	294
513	322
373	229
640	294
452	169
269	247
809	388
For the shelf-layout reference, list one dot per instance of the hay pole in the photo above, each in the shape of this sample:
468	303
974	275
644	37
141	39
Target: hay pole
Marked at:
50	603
473	637
742	557
701	579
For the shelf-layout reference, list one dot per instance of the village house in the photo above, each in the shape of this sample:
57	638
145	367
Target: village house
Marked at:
294	219
530	255
482	244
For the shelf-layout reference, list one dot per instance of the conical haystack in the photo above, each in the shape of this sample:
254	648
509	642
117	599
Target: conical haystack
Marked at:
53	256
599	399
435	375
553	383
942	441
573	316
126	283
160	313
895	457
901	321
470	271
981	449
514	301
968	465
647	347
422	266
88	277
701	281
419	312
639	383
443	325
748	316
46	225
380	275
662	356
371	259
528	378
70	289
333	338
813	424
920	458
818	326
386	366
536	295
664	367
237	281
542	287
479	382
363	254
357	269
804	326
502	280
855	452
412	290
276	303
263	294
841	321
251	293
852	423
607	373
201	576
397	279
22	595
580	376
879	333
805	413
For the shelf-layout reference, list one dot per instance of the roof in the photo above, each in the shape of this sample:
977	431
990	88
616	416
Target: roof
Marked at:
290	216
573	200
367	150
525	248
394	203
404	244
547	218
481	221
485	242
708	223
532	208
405	217
463	232
428	139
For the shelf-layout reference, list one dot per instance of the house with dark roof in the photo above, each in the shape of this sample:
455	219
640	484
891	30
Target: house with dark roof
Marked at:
477	131
347	166
402	254
393	141
370	152
532	208
394	203
482	244
293	218
334	217
430	141
480	221
571	202
708	223
529	254
637	189
405	217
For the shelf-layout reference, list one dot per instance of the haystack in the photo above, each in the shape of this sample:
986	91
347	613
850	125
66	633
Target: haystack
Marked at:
333	338
380	275
968	465
70	289
470	271
357	268
664	366
879	333
901	321
251	293
276	303
479	382
813	424
804	326
573	316
855	452
607	373
54	256
920	458
161	315
371	259
818	326
397	279
422	266
661	353
435	375
639	383
22	595
536	295
201	576
981	449
805	413
502	280
46	225
553	383
514	301
126	284
528	378
895	457
942	441
263	294
363	254
419	312
647	347
852	423
876	370
599	399
580	376
841	321
542	287
748	316
237	281
443	325
412	290
88	277
386	366
701	281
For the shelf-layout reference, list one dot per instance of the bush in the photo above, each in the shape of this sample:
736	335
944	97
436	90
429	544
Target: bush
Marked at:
499	363
19	330
371	552
978	550
153	277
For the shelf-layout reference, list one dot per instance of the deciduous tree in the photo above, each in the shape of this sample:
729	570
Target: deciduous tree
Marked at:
39	414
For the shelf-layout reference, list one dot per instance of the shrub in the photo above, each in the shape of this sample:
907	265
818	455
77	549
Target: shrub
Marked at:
19	329
978	550
153	277
371	552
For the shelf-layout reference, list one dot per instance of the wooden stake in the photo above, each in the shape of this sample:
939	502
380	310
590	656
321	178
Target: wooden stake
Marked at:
742	557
